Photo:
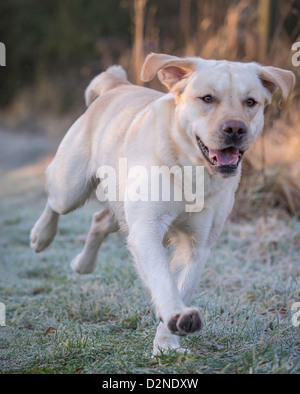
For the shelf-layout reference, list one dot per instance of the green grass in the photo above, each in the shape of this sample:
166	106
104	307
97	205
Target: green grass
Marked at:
59	322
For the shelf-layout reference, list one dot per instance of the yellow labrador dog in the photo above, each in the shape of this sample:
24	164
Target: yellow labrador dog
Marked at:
213	113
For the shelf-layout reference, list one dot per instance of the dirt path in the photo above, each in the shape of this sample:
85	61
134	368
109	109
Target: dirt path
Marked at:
19	149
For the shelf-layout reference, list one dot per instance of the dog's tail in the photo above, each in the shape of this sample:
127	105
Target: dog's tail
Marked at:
100	84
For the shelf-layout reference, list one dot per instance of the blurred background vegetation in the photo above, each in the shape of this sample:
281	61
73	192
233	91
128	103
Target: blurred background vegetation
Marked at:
55	47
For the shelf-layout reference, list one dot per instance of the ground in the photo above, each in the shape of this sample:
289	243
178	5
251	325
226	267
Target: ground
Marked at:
59	322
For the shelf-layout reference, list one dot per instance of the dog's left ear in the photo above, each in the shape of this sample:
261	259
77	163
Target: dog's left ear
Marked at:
273	78
170	69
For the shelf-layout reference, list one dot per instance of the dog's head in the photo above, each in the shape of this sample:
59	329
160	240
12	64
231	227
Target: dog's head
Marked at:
219	104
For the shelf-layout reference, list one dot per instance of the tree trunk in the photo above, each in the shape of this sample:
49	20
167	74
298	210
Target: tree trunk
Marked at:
185	26
138	48
264	25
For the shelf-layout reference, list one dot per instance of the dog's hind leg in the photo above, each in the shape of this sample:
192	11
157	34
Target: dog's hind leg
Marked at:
102	225
69	184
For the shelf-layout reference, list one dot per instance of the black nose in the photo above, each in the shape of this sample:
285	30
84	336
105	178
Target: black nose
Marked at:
235	129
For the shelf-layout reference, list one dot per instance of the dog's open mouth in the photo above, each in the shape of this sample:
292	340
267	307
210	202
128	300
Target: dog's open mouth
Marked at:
225	161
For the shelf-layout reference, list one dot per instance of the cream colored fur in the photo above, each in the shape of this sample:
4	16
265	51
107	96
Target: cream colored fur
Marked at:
150	128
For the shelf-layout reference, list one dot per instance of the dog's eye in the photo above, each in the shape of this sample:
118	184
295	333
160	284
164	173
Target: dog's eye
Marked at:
251	102
208	99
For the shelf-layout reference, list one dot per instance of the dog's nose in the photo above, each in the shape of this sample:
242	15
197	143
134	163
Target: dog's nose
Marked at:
235	129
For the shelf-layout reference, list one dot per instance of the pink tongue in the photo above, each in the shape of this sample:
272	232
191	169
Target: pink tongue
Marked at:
224	157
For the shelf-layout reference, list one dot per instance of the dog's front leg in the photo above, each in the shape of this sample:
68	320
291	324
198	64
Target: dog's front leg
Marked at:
186	266
146	244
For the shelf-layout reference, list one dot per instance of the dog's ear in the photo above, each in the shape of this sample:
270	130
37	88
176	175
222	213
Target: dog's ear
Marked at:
273	78
170	69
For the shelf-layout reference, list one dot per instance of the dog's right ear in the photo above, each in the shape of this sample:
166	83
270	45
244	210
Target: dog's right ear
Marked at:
170	69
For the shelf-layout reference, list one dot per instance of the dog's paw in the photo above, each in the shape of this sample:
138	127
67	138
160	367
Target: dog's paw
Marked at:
41	236
187	322
82	265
